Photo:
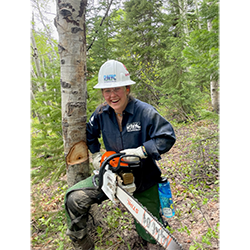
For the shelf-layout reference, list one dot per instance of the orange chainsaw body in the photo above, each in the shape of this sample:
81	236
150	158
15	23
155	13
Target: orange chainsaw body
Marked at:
114	162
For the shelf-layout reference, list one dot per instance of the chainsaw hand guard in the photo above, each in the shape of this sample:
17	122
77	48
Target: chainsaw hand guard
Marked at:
116	162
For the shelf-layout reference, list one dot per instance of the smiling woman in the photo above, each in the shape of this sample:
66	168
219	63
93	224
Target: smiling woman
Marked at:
117	98
128	126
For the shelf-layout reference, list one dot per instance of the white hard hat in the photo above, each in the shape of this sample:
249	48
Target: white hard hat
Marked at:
113	74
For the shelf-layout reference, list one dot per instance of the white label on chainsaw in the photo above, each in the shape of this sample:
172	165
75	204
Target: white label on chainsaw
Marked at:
109	185
147	221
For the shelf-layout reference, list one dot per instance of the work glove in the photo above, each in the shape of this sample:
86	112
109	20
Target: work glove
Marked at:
96	158
140	151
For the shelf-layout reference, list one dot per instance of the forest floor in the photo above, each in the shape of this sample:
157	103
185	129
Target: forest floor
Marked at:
193	170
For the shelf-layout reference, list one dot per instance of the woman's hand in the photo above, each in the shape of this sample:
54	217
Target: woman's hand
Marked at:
96	158
140	151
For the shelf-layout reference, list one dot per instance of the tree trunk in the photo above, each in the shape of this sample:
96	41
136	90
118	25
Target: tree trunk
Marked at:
70	24
37	4
214	84
39	74
34	113
35	56
197	13
183	9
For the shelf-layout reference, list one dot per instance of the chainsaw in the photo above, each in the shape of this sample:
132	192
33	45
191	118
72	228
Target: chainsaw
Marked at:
117	181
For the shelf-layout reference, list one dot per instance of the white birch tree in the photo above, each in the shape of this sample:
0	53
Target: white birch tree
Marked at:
183	12
70	24
214	84
35	56
38	5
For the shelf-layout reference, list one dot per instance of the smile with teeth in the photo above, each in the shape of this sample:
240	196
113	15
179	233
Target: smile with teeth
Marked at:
115	101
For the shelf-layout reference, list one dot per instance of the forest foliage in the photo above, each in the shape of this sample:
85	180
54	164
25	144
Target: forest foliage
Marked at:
171	49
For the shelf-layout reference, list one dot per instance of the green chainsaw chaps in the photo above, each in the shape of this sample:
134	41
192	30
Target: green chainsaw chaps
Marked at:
86	183
145	198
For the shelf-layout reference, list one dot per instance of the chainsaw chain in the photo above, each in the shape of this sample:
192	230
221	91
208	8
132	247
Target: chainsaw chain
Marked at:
157	221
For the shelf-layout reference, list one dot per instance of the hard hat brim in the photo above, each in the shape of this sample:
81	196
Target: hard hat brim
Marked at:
113	84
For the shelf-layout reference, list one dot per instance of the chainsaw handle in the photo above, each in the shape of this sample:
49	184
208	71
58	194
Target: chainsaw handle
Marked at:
102	168
115	169
131	163
121	162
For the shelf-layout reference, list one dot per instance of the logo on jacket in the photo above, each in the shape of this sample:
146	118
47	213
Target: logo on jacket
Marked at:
135	126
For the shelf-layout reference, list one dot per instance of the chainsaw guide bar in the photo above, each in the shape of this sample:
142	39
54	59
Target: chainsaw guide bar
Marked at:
148	221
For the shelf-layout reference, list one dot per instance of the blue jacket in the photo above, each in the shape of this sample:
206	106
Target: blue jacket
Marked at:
141	125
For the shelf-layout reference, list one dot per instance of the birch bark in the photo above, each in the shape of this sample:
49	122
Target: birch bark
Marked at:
214	84
197	13
35	56
46	29
70	24
38	73
214	90
183	12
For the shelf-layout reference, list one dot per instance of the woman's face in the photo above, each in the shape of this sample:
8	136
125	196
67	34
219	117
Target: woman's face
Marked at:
117	98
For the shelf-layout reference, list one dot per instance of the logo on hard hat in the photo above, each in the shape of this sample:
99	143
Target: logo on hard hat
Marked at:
109	78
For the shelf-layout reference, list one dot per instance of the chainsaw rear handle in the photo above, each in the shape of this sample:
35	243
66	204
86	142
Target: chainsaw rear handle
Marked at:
121	156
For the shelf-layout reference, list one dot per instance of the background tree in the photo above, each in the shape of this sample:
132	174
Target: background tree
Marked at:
202	54
46	140
42	6
140	45
101	33
179	94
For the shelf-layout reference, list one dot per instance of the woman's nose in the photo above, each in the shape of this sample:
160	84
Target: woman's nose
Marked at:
113	93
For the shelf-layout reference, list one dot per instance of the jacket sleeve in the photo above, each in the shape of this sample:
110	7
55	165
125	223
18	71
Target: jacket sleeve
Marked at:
160	133
93	133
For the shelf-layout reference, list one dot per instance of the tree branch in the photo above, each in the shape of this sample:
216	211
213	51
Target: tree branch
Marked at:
100	25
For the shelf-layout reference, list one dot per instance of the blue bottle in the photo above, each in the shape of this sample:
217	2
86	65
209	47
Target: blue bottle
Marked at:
166	200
